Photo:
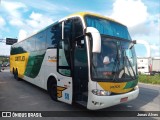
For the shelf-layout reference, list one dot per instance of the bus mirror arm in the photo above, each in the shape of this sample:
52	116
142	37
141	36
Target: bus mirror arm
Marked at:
134	41
79	37
96	38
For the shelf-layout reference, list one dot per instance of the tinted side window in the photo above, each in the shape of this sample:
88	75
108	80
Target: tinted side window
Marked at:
29	44
40	39
20	48
68	30
78	27
64	61
54	34
24	44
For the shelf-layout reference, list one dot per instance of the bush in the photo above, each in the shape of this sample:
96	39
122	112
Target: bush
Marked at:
149	79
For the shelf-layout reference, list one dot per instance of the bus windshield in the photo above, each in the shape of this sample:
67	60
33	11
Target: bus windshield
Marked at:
117	59
107	27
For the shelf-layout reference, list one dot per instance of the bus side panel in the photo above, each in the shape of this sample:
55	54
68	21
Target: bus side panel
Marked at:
64	84
50	63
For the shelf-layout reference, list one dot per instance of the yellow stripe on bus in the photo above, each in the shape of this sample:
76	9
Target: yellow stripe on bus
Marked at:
114	87
19	62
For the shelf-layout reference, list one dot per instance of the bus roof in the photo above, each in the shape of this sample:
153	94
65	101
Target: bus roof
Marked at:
83	14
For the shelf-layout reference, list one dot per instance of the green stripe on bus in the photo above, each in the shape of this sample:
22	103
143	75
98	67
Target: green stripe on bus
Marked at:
34	63
131	84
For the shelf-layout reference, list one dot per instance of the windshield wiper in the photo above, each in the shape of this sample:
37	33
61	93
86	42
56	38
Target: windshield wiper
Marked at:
126	58
94	67
116	66
116	63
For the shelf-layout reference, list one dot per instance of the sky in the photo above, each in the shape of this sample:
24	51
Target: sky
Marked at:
21	18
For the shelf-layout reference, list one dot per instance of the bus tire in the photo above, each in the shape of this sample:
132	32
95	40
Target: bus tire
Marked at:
13	71
16	75
52	89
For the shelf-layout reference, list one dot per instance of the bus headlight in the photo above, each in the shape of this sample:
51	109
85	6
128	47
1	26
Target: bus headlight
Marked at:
101	92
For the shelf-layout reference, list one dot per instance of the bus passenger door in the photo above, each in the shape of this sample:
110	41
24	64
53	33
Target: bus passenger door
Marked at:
72	62
64	84
80	78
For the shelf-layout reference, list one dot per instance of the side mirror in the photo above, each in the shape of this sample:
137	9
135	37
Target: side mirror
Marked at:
96	39
132	44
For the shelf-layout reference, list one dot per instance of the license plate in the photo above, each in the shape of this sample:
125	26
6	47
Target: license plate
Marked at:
124	99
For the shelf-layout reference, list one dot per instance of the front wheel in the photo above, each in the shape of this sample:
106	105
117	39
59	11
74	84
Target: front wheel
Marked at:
53	90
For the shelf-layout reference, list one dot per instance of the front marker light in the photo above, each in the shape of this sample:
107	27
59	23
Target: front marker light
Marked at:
136	87
95	91
101	92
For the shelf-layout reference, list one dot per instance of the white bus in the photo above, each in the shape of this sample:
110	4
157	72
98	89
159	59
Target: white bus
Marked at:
84	58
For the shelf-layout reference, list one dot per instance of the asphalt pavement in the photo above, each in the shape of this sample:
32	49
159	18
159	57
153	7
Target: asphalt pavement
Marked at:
23	96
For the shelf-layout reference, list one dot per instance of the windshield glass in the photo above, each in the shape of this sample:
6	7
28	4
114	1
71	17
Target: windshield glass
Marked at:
107	27
117	60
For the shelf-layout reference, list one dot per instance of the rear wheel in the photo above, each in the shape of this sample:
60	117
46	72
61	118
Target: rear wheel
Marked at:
16	75
52	89
13	71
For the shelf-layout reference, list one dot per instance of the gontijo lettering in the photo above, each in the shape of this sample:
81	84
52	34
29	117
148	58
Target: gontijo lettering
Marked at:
20	58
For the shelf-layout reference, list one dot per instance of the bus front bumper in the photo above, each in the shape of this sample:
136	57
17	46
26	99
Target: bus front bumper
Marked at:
98	102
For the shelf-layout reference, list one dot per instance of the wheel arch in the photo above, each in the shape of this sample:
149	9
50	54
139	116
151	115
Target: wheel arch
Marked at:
50	79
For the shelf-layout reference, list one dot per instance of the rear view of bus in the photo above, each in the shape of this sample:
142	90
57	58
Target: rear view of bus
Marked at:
113	65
